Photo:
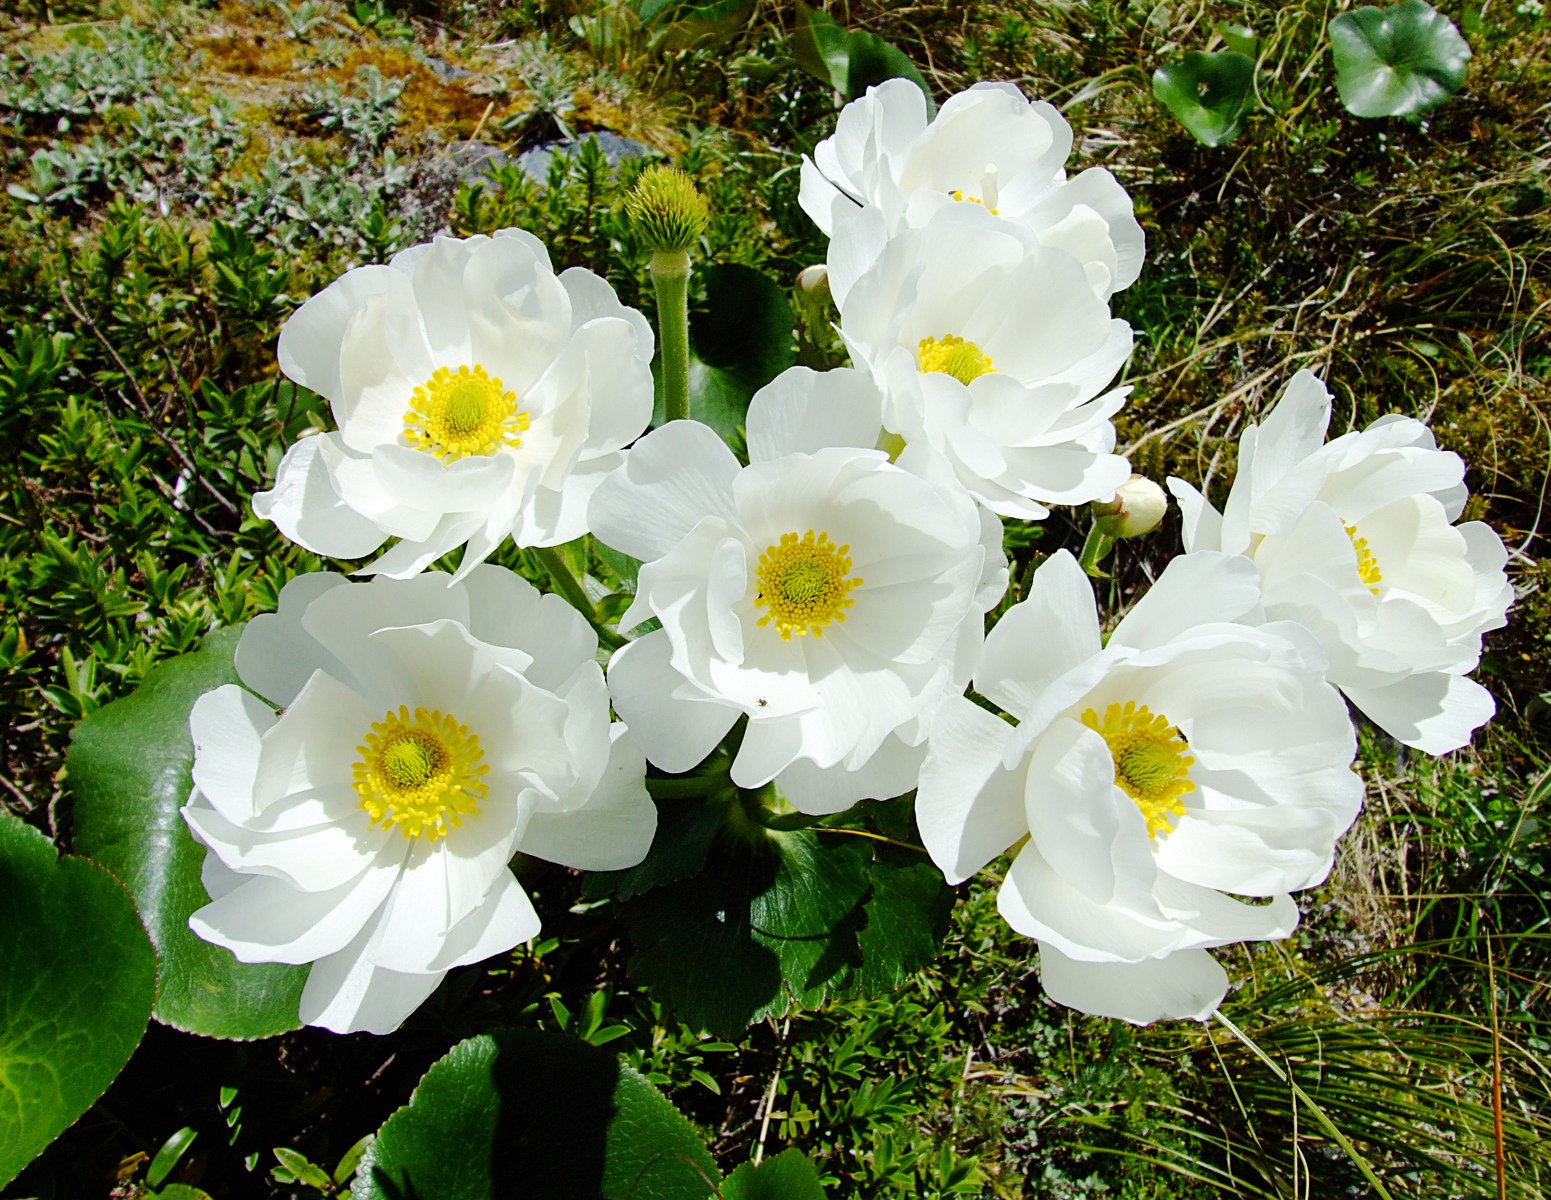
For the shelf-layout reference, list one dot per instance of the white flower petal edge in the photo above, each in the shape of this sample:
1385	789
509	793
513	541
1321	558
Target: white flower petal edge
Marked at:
427	732
1197	757
478	396
988	146
992	354
832	598
1353	538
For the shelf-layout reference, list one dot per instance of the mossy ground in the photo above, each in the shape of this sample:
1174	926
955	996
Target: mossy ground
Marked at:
181	180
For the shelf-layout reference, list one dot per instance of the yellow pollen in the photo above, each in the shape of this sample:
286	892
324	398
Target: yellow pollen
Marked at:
960	196
804	584
1367	566
459	414
953	356
420	774
1151	765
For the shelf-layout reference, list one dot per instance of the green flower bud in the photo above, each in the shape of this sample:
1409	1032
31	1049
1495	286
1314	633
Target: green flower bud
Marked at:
667	209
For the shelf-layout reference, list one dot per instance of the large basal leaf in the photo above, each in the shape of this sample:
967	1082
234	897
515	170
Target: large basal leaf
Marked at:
1207	93
731	922
535	1116
129	769
850	62
787	1176
769	921
1394	61
739	341
77	975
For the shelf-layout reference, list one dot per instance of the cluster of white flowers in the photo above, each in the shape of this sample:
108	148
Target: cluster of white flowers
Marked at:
1165	789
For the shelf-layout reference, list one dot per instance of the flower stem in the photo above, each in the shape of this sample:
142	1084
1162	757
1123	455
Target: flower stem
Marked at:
570	587
670	276
1095	550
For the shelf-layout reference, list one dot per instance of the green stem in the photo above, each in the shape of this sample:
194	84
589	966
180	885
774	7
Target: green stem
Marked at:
1319	1114
670	276
570	587
1095	550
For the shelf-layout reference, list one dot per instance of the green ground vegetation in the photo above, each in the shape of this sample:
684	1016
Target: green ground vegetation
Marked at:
180	176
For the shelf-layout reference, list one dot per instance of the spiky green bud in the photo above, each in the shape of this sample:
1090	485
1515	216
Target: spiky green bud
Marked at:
667	210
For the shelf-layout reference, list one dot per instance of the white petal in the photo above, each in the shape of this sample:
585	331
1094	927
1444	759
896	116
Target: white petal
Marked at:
227	726
612	830
311	338
1433	712
1187	983
592	297
1200	523
276	655
313	743
345	993
1038	903
1040	638
802	410
672	478
674	734
969	807
892	770
267	920
306	506
505	918
1195	589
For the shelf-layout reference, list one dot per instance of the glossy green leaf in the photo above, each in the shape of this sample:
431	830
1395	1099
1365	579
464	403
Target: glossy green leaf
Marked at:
770	920
741	338
849	62
686	827
1209	94
1391	62
77	976
129	769
790	1175
1240	38
536	1116
907	916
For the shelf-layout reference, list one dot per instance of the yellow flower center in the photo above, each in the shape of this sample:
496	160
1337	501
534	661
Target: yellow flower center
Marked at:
1151	765
1367	566
960	196
804	584
953	356
420	774
456	414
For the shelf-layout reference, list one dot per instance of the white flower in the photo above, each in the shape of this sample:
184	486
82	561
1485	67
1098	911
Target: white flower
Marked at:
477	396
990	350
832	598
890	169
1354	539
426	734
1186	761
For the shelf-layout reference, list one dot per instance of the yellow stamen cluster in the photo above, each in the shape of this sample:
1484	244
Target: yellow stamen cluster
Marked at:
1151	765
420	774
954	356
804	584
1367	566
960	196
457	414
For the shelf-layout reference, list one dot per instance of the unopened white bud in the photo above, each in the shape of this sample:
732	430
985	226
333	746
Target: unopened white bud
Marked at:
814	280
1137	507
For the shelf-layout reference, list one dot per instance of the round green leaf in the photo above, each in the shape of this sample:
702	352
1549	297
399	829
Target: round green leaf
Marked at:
1208	93
848	62
538	1116
129	771
769	922
787	1176
1394	61
739	340
77	975
907	917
